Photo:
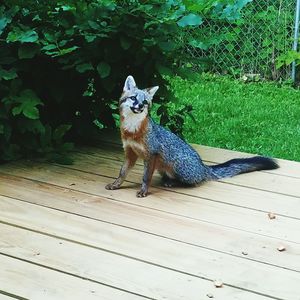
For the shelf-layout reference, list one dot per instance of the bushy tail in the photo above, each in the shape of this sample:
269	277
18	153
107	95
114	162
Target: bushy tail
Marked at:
242	165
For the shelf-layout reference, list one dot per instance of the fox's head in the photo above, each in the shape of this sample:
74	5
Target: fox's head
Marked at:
136	101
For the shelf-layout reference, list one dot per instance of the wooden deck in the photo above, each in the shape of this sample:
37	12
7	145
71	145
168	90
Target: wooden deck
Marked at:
63	236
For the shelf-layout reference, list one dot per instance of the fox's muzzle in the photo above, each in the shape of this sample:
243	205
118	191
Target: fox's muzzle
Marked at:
138	108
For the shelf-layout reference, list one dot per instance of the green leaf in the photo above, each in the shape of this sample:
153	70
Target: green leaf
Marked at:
287	58
50	37
36	18
90	90
116	119
98	124
94	25
68	7
28	50
16	110
28	101
199	44
6	16
103	69
66	51
62	43
22	35
167	46
90	37
198	6
8	74
31	112
70	31
60	131
49	47
3	23
84	67
190	20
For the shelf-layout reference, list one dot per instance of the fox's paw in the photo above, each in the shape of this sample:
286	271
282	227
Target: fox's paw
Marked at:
141	193
111	186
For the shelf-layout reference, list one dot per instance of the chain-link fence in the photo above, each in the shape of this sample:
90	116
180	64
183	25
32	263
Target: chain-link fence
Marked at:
251	45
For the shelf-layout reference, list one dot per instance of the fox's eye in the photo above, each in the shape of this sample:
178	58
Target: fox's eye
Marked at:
133	98
145	102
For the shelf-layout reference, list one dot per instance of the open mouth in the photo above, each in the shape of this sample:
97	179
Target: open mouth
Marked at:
137	110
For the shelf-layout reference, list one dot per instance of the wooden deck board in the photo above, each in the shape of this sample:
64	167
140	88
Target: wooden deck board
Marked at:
111	269
203	263
239	195
218	191
30	281
108	167
159	224
184	206
171	245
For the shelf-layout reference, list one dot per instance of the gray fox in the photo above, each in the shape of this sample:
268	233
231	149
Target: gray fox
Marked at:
175	160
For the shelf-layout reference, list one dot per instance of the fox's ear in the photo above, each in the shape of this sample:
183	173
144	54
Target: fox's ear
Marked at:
129	84
152	90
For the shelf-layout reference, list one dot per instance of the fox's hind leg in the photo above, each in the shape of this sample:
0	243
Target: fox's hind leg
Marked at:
166	173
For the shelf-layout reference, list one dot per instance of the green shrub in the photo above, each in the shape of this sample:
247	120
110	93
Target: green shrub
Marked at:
63	64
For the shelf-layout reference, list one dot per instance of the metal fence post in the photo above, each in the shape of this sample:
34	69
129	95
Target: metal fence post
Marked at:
296	37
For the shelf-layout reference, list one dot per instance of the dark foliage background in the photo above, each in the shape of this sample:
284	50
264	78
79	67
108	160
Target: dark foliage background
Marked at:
63	64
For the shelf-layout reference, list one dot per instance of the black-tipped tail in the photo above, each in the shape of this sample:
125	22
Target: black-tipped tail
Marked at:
242	165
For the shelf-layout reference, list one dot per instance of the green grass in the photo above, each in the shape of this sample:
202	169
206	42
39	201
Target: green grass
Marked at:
261	118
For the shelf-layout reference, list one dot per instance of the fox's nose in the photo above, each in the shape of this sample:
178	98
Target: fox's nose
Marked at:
141	105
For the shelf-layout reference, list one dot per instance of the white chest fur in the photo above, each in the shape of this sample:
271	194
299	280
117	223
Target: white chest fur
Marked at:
132	122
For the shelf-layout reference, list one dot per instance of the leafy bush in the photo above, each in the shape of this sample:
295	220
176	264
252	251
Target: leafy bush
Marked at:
63	64
288	58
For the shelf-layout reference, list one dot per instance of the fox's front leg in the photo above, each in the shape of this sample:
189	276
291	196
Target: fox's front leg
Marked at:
130	160
149	167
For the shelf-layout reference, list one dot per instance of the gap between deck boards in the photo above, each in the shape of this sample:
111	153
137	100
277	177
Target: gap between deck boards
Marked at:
6	296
